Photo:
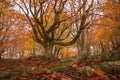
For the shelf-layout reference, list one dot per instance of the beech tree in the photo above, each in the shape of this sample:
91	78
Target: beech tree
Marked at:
52	20
4	26
19	36
107	29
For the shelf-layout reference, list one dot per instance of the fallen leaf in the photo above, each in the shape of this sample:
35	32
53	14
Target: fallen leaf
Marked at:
54	75
65	78
99	72
25	74
94	78
74	66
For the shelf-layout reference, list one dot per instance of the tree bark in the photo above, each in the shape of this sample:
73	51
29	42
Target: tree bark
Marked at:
34	51
0	56
56	51
102	48
48	49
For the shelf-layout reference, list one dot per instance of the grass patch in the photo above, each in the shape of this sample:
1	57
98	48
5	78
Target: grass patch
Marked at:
59	66
7	74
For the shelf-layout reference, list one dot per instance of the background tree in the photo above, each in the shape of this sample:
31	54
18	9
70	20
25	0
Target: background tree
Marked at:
4	26
107	28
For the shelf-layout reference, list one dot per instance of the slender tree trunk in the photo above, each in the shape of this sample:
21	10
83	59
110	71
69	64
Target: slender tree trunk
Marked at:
21	54
0	55
1	52
102	48
79	49
33	51
82	43
118	42
56	51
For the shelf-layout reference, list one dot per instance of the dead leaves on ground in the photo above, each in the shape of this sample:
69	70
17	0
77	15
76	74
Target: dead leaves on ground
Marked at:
69	73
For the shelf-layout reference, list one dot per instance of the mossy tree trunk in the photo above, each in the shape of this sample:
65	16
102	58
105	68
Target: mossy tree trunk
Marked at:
48	49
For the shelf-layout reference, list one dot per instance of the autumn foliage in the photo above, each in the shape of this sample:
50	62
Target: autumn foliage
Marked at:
59	39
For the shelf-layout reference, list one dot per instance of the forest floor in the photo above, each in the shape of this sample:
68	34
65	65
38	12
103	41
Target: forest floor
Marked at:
54	69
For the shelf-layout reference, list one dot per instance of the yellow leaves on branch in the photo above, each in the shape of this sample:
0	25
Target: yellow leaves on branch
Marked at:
29	44
68	52
108	29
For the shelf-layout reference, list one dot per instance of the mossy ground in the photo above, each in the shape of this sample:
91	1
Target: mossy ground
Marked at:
83	65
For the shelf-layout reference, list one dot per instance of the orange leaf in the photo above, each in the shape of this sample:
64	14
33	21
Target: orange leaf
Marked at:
54	75
94	78
74	66
25	74
65	78
99	72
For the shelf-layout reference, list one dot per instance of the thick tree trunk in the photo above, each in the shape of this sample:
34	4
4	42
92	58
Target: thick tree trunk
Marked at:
81	43
48	49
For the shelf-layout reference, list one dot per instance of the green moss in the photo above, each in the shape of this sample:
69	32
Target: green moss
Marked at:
107	66
85	70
